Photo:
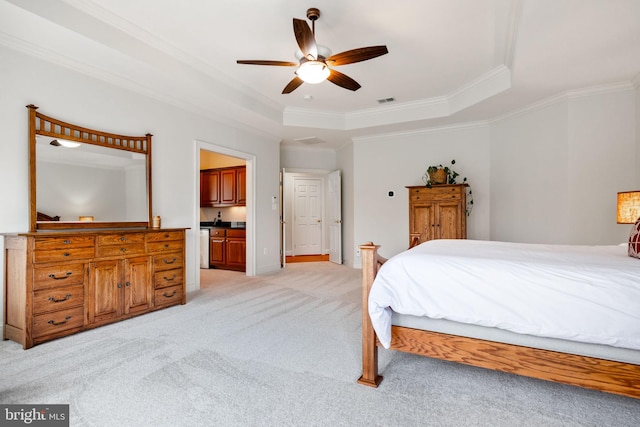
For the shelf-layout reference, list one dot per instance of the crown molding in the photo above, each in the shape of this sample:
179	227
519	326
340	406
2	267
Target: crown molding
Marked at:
424	131
515	12
565	96
471	93
306	148
158	44
489	84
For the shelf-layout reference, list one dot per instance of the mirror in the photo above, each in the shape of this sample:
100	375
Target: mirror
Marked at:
87	179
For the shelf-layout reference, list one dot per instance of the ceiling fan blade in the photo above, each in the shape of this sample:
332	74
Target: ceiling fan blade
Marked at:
342	80
357	55
305	39
267	62
293	85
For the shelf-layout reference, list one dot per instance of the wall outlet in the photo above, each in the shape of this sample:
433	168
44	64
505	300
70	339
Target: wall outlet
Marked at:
358	252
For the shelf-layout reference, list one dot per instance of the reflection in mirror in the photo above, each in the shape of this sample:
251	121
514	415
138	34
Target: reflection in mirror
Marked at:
90	180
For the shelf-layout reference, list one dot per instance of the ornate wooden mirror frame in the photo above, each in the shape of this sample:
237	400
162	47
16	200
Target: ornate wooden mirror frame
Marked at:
39	124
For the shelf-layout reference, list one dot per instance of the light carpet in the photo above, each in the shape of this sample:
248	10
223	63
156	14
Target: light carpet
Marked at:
278	349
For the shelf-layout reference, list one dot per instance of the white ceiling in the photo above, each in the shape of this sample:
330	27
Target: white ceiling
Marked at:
449	61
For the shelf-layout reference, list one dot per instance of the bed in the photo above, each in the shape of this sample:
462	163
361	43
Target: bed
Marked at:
582	330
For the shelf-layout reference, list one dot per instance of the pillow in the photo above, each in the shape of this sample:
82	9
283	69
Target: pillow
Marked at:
634	240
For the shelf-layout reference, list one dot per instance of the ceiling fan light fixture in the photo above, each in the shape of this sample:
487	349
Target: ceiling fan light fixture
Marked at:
64	143
313	72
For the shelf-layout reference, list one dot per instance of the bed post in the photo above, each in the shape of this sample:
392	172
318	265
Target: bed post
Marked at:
370	262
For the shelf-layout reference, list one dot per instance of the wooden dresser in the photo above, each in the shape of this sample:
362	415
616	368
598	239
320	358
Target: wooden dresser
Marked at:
60	283
438	212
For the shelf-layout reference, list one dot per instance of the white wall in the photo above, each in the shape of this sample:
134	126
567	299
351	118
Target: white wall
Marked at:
602	162
307	158
549	173
392	162
529	167
637	120
82	100
556	170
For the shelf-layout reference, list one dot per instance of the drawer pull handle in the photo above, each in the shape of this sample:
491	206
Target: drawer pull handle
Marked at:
123	250
166	261
119	285
53	276
164	294
127	284
166	236
54	323
123	239
66	254
66	242
166	245
169	278
66	297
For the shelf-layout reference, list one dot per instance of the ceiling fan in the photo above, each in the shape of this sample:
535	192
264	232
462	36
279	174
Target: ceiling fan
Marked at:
315	60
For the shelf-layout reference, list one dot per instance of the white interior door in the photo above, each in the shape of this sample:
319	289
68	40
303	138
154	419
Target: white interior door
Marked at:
307	216
335	217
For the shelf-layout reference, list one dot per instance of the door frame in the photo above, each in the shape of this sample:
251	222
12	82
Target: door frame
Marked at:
250	160
309	173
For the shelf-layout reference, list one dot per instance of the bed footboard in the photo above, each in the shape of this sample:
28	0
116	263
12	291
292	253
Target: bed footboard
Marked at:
588	372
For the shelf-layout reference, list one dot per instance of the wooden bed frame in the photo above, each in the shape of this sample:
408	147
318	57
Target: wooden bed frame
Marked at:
588	372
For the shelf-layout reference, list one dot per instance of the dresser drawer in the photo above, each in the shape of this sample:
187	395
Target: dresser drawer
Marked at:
60	298
167	278
168	261
48	243
435	194
120	250
50	323
166	296
164	236
67	254
58	275
168	246
120	239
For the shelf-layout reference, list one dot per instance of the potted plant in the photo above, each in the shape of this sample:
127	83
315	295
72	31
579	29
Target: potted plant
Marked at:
436	175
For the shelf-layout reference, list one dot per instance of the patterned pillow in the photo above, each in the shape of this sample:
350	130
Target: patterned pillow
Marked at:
634	240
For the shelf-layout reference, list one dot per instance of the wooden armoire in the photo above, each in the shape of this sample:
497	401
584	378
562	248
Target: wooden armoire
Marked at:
438	212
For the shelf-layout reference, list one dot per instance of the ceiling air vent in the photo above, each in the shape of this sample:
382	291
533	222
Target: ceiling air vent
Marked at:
385	100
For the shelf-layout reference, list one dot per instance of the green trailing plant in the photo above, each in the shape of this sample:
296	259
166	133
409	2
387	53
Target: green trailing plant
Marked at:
450	177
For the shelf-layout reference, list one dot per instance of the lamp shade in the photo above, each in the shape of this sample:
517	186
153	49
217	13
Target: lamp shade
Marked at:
628	207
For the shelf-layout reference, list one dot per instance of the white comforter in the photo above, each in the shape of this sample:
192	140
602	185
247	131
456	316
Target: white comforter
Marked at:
579	293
